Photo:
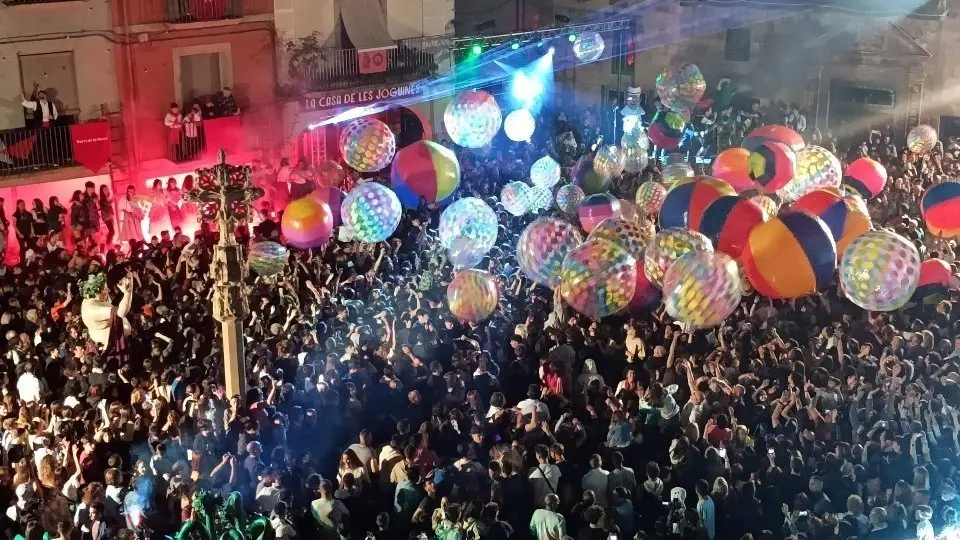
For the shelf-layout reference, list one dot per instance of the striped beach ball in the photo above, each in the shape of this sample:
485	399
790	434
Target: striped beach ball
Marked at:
424	169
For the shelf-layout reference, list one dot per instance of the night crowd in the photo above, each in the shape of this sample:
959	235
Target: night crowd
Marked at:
373	414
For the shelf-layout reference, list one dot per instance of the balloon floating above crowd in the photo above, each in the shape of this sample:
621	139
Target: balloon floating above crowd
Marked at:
472	118
879	271
367	145
424	170
545	172
468	230
598	278
472	295
519	125
267	258
307	223
372	212
702	289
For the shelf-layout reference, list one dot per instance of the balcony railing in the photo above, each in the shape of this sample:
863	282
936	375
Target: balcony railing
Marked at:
187	11
335	69
203	139
29	150
25	2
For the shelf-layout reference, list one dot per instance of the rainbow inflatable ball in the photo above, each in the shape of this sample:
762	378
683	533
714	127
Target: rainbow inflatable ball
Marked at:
424	169
773	133
772	165
940	207
306	223
733	167
865	177
597	208
844	219
688	198
934	283
646	295
790	256
666	129
728	222
472	295
585	175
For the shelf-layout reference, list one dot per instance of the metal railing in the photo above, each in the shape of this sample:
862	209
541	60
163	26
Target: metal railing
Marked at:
29	150
187	11
335	69
25	2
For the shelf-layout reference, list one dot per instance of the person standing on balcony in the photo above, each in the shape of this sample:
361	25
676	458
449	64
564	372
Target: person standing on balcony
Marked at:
45	113
106	213
192	144
174	122
226	104
131	216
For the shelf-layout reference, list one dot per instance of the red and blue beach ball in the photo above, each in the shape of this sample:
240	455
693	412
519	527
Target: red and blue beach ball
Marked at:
688	198
866	177
843	218
940	207
728	222
424	169
666	129
772	165
934	283
597	208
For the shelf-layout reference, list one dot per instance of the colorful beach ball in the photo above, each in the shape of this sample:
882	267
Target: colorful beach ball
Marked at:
372	211
333	198
425	170
519	125
635	147
626	234
769	205
472	295
367	145
790	256
843	218
468	230
569	197
940	207
267	258
702	289
515	197
609	161
646	296
472	118
597	208
585	175
666	247
866	177
733	167
650	197
542	247
934	283
598	278
681	86
666	129
728	222
545	172
772	166
674	172
922	139
817	168
306	223
879	271
773	133
688	198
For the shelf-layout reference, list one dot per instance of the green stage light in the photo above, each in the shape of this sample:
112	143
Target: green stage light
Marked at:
476	50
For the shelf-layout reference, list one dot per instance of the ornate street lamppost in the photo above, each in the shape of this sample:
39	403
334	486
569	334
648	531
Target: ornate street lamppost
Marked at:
224	195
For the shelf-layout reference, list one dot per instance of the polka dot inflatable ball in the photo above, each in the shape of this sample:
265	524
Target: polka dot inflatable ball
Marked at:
668	246
545	172
542	247
472	118
790	256
367	145
569	197
628	235
515	197
472	295
702	289
650	196
817	168
267	258
598	278
372	211
879	271
922	139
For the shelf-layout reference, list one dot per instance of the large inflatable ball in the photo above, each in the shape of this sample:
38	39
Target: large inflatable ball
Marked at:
681	87
843	218
675	172
866	177
330	174
702	289
569	197
688	198
646	295
934	283
367	145
331	197
472	295
306	223
790	256
650	197
598	278
879	271
424	170
372	212
585	175
539	199
817	168
666	129
609	161
468	230
733	167
545	172
666	247
769	205
940	207
626	234
597	208
728	222
472	118
267	258
519	125
922	139
772	166
773	133
635	146
515	198
543	245
588	47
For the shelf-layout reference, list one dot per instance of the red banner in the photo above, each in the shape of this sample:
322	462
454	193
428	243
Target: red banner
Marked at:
223	133
91	144
373	60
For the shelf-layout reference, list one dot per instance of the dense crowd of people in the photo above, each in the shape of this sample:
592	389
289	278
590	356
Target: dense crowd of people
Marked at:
373	414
